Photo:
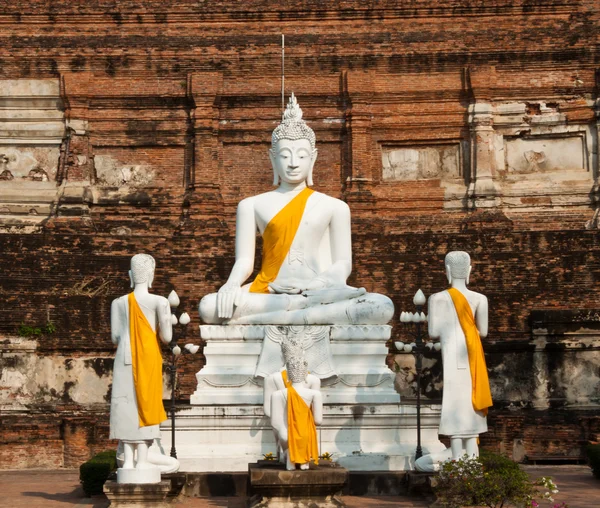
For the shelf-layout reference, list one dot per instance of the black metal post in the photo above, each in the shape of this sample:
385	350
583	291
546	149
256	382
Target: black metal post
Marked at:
173	370
419	365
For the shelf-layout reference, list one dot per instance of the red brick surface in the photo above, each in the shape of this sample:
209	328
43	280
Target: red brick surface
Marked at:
192	89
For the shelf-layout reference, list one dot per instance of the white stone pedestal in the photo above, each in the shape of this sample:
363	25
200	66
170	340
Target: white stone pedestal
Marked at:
361	437
365	427
138	476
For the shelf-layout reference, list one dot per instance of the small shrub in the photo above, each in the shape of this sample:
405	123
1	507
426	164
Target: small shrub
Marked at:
593	453
490	480
94	472
35	331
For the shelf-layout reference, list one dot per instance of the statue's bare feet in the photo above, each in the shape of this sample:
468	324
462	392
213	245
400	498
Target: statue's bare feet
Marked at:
304	467
127	465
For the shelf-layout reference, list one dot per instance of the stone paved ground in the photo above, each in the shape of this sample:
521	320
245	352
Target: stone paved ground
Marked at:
53	489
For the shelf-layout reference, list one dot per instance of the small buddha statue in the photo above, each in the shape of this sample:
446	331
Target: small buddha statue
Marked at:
280	380
295	412
307	251
459	317
136	407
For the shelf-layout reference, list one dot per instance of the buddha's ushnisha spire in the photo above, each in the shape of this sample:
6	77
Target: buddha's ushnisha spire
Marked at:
292	126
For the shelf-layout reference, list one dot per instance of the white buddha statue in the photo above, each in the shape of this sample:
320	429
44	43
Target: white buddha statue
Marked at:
136	407
295	412
280	381
459	317
307	251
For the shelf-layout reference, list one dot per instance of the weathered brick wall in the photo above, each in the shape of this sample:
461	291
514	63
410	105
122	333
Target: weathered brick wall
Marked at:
172	105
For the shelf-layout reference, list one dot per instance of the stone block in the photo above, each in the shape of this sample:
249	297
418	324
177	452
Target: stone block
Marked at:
137	496
276	487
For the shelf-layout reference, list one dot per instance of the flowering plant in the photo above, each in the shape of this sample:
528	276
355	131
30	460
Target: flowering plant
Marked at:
269	456
490	480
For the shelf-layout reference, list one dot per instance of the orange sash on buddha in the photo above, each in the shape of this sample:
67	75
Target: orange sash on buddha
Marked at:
277	240
481	394
302	432
286	382
146	362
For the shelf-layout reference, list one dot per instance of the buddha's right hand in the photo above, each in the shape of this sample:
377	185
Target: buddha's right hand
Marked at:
227	297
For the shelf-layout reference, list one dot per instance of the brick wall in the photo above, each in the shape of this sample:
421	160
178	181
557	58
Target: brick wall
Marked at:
188	95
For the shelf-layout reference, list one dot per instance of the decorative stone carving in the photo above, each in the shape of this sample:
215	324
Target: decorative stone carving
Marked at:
113	173
314	341
529	155
421	162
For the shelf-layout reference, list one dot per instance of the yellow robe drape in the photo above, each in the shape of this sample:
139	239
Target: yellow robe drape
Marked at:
277	240
146	362
286	382
302	432
481	394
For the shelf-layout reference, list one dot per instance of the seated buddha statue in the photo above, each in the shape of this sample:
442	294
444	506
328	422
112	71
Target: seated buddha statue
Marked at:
307	248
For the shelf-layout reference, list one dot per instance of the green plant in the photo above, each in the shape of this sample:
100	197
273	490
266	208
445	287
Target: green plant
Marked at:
94	472
35	331
593	454
490	480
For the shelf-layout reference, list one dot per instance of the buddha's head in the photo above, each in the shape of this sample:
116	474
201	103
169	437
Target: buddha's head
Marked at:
293	355
297	369
142	269
293	152
458	265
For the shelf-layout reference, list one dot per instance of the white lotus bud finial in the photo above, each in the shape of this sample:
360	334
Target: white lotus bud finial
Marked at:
176	350
173	319
184	319
173	299
192	348
419	298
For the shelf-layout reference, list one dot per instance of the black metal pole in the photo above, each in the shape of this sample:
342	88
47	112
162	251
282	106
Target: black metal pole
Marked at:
419	359
172	369
173	450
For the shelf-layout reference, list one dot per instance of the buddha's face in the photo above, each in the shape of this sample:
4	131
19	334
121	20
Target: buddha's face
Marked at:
293	160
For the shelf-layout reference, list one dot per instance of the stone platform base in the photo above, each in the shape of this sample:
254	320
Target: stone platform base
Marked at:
274	487
360	437
122	495
365	427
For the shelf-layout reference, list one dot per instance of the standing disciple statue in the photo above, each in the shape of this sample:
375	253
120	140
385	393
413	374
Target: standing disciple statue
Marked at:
459	317
280	381
307	251
136	407
295	412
